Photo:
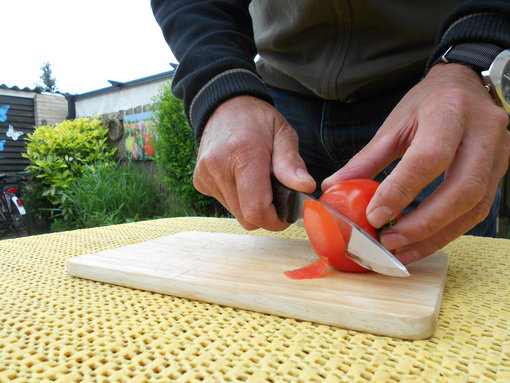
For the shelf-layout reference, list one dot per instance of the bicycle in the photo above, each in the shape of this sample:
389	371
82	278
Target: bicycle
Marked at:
12	211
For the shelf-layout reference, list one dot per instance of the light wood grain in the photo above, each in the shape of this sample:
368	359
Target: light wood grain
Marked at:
247	272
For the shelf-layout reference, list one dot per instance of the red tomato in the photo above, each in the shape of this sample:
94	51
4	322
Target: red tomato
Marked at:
351	198
328	236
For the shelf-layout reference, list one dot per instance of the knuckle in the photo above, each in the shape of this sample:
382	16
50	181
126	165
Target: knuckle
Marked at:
402	191
439	240
246	224
430	154
497	121
210	160
198	184
426	228
472	189
253	215
506	144
482	210
499	117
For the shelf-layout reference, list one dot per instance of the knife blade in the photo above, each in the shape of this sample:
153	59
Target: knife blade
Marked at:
362	248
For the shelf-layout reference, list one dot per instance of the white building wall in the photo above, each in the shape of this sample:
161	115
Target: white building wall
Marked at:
117	100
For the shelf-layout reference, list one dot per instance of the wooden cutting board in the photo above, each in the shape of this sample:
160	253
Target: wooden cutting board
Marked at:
246	272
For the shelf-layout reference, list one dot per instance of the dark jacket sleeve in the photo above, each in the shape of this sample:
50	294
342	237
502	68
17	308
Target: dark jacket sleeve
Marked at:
475	21
213	42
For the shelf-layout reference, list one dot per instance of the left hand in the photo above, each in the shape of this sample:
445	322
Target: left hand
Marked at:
446	123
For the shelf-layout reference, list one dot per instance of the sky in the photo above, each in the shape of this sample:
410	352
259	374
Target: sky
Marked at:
87	43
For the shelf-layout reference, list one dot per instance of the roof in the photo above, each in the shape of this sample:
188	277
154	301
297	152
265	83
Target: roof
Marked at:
36	89
25	89
116	85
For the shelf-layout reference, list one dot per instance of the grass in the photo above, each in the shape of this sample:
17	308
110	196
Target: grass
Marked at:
108	195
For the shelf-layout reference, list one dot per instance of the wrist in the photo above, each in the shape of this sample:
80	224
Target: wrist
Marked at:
489	62
222	88
456	73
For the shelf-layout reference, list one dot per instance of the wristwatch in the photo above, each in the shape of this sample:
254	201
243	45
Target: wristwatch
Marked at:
491	61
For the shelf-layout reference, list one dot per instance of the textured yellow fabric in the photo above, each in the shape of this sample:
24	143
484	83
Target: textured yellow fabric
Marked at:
56	328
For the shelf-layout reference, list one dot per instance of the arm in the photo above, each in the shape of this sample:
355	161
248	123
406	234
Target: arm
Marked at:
475	21
446	123
213	42
241	134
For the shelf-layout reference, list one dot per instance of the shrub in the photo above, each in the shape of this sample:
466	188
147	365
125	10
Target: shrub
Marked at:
58	155
108	195
175	156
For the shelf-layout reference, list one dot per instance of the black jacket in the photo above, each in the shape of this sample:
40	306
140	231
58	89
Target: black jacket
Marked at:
333	49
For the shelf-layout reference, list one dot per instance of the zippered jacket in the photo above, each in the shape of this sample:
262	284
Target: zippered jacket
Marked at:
336	50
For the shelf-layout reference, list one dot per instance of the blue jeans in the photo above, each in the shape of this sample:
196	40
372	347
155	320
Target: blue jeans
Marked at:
331	132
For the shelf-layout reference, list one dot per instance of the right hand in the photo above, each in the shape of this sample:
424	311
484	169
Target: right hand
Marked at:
242	140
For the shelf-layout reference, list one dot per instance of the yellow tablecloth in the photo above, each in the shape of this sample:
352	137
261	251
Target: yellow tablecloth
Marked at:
56	328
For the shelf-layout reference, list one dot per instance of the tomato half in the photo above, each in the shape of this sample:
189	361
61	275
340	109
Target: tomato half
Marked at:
326	239
329	236
351	198
324	233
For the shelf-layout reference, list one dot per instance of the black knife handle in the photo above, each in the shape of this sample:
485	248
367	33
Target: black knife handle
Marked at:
285	201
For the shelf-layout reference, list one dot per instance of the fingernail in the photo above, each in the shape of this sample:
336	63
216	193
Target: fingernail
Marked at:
379	216
303	175
407	256
393	241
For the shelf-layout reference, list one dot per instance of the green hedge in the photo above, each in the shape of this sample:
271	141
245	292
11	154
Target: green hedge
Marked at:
175	156
58	155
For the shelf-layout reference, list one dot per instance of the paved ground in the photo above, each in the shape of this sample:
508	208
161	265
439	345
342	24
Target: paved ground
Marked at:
9	235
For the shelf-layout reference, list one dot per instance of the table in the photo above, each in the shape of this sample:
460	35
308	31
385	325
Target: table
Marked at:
56	328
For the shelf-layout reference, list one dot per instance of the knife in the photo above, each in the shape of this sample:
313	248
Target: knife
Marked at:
362	248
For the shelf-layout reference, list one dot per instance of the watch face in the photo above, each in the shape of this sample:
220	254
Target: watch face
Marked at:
505	83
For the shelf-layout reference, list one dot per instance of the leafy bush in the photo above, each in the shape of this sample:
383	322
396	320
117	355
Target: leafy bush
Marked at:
58	154
175	156
108	195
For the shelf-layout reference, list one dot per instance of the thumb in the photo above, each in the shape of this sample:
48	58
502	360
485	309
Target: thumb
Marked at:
288	166
368	162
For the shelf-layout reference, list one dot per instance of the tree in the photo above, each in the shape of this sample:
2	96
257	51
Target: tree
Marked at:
49	83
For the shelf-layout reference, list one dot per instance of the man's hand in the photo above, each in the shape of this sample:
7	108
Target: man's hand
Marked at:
447	123
242	140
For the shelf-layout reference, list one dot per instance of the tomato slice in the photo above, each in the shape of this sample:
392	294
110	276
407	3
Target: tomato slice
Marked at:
322	230
326	237
313	270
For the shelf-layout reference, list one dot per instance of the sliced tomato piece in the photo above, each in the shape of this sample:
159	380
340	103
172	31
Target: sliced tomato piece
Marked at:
313	270
327	238
322	230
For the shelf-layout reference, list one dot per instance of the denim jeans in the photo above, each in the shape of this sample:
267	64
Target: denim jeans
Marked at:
331	132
